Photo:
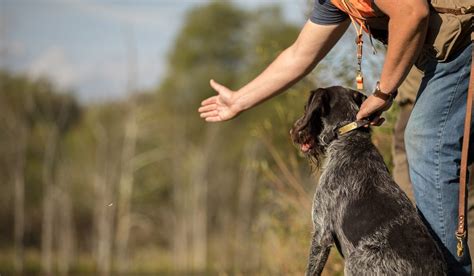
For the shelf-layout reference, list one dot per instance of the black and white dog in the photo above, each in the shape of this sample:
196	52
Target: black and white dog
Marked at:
357	206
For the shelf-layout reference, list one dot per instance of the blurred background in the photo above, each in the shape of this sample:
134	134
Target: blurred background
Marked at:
106	167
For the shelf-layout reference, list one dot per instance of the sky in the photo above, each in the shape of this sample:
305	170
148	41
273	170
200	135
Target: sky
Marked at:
90	47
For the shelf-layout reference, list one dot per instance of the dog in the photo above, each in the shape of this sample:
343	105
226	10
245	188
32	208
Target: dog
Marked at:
357	206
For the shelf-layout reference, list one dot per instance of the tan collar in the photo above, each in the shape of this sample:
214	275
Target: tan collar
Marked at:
352	126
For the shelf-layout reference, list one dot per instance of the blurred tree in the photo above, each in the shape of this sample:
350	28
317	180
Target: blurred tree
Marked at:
61	113
28	106
126	181
107	127
16	103
209	44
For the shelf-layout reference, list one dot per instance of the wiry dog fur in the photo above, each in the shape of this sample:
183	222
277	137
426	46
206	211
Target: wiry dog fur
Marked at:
357	206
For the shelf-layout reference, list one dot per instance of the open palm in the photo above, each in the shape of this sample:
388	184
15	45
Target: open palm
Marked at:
220	107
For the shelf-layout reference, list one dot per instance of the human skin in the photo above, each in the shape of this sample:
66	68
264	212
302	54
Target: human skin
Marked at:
407	26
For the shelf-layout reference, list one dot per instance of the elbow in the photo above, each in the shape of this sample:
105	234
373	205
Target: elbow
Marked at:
416	12
300	60
423	14
419	13
421	18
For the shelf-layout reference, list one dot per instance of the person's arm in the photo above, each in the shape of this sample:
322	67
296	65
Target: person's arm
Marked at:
407	30
312	44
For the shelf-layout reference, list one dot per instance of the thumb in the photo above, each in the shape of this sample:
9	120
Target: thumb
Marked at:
219	88
361	114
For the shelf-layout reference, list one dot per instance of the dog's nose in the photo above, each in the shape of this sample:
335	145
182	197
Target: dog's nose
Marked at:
300	134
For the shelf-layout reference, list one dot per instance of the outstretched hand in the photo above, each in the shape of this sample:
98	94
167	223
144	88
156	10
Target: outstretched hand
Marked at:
221	107
372	109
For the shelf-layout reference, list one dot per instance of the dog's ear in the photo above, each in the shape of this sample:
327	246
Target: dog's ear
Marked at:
358	97
316	107
318	102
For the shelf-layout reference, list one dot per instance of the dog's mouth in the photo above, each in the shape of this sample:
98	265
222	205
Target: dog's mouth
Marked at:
303	140
307	146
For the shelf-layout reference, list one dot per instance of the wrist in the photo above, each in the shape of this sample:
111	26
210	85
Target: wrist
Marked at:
386	95
237	101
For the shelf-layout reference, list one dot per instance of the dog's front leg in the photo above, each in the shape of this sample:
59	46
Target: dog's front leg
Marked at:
319	252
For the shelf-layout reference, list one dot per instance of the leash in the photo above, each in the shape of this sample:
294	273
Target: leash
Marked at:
461	231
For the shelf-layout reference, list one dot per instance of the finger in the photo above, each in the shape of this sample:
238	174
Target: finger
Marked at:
363	113
377	121
374	116
211	100
218	87
209	114
213	119
207	108
367	116
368	113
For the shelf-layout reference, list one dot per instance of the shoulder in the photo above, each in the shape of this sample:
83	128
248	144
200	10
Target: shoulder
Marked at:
326	13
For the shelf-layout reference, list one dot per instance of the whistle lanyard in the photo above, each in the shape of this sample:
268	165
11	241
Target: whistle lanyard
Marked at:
359	42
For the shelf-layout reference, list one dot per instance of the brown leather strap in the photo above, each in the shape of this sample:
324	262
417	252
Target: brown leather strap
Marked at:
459	11
381	95
384	96
461	231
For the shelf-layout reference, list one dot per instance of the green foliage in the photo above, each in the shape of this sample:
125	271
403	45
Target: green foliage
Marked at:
211	35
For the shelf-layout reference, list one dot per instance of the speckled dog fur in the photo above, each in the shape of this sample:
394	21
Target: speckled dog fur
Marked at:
357	206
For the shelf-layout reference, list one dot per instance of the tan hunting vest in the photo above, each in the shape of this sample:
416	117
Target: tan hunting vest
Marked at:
450	23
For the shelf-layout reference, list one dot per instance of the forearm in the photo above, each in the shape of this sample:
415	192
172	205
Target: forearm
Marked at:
313	43
284	71
407	31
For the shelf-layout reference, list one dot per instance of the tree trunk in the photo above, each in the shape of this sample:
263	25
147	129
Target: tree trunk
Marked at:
19	198
103	209
65	227
48	202
58	126
198	210
180	238
198	197
243	254
126	165
125	192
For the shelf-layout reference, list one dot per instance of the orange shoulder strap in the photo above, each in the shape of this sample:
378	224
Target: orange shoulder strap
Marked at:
358	10
362	7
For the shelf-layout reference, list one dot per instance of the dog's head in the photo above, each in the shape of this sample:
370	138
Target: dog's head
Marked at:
327	109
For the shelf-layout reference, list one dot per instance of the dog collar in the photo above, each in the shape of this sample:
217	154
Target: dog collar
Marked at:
352	126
